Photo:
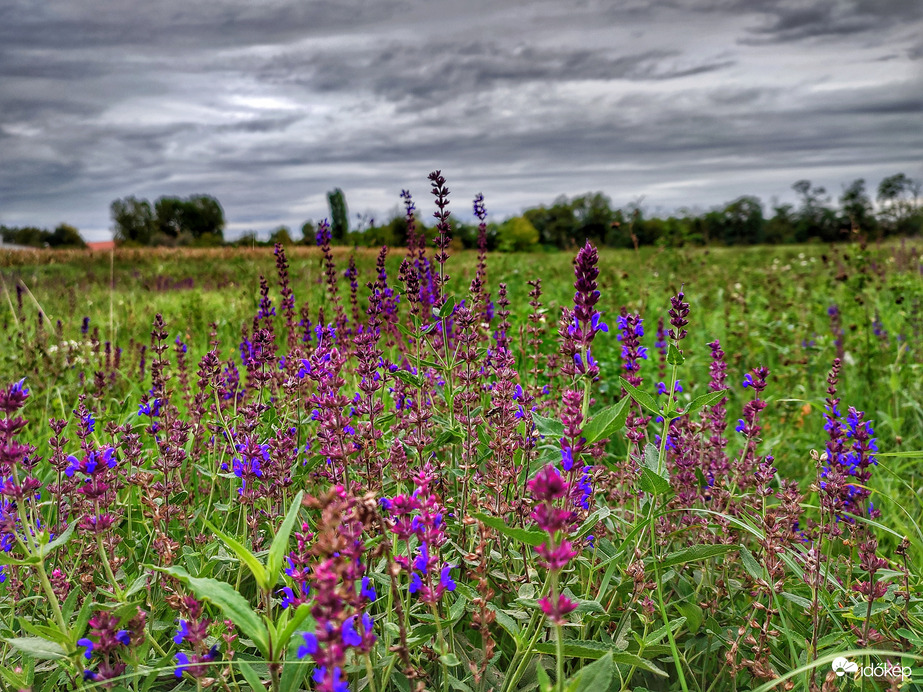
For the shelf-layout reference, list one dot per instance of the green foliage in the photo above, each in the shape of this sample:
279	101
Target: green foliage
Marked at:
517	234
339	215
194	221
64	236
134	221
282	236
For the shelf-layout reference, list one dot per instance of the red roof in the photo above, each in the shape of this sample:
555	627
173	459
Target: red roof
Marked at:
102	245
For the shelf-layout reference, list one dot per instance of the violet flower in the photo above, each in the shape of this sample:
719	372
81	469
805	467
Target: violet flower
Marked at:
547	489
581	324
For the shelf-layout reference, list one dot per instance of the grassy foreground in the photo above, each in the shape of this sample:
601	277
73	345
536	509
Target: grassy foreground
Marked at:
463	476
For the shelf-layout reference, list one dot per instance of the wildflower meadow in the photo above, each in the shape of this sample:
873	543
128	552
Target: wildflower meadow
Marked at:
425	469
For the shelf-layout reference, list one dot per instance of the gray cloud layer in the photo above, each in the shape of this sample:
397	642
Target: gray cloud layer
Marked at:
268	105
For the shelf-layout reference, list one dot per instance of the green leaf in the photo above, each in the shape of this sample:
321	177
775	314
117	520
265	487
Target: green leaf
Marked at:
592	649
49	632
654	480
800	601
232	604
591	521
6	560
248	558
16	682
750	564
37	647
643	398
693	614
657	635
594	677
705	400
541	675
627	659
250	675
450	659
700	478
675	356
59	541
505	621
549	427
693	554
607	422
652	483
447	307
139	583
534	538
409	378
293	671
280	542
459	685
301	613
577	648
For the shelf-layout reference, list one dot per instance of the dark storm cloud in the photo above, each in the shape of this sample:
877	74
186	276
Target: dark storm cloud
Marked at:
431	71
268	105
178	23
795	21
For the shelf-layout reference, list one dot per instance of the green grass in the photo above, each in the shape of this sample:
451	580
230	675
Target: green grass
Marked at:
768	306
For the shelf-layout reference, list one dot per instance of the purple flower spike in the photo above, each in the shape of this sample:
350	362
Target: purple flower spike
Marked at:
182	661
88	644
181	632
350	636
415	583
309	648
368	589
289	596
445	579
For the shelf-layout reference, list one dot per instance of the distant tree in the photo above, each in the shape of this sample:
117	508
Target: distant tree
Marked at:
282	236
517	234
898	196
30	236
339	215
197	216
815	220
781	227
308	233
64	236
594	216
134	221
856	208
742	221
556	225
170	213
203	215
248	239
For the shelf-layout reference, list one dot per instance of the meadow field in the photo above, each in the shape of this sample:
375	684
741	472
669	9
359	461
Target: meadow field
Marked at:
325	468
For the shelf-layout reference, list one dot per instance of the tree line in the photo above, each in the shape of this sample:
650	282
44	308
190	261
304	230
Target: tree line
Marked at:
567	222
63	236
198	220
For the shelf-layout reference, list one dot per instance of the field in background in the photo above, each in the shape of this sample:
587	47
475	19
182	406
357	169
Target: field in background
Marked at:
768	306
654	540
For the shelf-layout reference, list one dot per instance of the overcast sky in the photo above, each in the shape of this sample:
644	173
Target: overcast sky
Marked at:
267	105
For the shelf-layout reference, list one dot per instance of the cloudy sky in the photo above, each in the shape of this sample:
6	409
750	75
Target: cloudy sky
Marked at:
267	105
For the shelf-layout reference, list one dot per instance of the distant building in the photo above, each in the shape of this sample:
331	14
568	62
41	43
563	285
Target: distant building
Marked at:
12	246
101	245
